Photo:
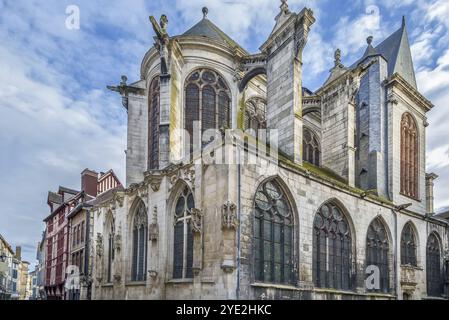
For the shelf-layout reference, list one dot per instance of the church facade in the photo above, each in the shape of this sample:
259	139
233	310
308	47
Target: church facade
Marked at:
335	204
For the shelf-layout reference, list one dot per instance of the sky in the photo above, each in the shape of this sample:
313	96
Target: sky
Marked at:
57	117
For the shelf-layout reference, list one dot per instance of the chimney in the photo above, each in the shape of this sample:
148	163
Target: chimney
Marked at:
89	182
19	253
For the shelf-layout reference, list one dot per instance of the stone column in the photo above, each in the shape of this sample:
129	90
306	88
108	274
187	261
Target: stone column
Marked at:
430	178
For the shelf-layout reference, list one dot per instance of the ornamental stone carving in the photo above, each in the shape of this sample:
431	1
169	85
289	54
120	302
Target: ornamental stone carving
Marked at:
118	255
99	248
154	227
162	41
197	221
187	174
118	239
229	216
99	258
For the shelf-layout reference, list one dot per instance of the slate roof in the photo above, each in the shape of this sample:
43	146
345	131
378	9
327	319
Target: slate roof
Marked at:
443	215
396	50
105	196
54	197
206	28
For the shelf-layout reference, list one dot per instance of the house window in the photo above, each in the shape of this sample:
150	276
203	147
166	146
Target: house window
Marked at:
332	249
433	270
377	253
409	156
153	124
255	115
273	235
408	246
311	148
183	236
207	101
139	251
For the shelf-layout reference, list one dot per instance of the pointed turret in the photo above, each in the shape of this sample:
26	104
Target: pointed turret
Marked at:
396	50
370	51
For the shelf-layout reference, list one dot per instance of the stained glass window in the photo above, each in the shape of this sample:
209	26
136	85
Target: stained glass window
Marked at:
183	236
377	253
433	270
110	257
409	156
332	249
255	114
139	234
207	100
273	235
153	124
408	246
311	148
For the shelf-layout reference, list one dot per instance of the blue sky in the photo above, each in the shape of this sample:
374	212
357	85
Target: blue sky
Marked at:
57	118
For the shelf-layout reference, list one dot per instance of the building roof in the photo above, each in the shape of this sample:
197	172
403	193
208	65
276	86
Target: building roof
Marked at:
7	245
206	28
105	196
396	50
67	190
54	197
443	215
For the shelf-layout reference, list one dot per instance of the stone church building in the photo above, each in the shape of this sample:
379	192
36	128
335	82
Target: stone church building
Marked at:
337	204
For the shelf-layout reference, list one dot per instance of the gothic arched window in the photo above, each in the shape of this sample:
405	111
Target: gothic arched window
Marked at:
255	114
273	235
183	236
409	156
332	249
110	257
311	148
377	253
153	124
207	100
433	270
408	246
139	242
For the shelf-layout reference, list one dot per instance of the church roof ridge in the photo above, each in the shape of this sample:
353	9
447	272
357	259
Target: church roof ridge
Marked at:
206	28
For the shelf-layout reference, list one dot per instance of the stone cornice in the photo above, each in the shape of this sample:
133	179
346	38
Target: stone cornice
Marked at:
399	82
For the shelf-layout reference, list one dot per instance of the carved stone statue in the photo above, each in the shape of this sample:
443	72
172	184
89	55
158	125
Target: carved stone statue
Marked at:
99	258
154	227
197	221
162	40
229	216
118	255
337	56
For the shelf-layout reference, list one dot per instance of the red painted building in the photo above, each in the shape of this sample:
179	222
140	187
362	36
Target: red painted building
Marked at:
59	226
57	241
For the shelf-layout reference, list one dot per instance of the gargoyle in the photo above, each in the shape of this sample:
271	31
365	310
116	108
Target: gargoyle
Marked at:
162	40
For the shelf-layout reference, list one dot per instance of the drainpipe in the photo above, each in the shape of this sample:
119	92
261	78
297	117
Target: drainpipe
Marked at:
239	207
395	256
